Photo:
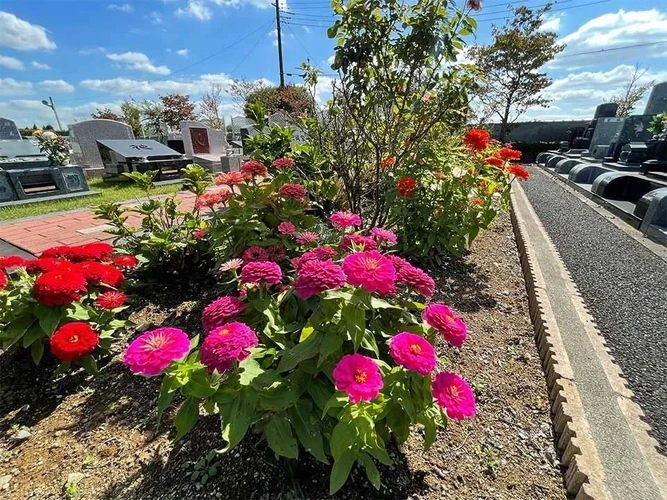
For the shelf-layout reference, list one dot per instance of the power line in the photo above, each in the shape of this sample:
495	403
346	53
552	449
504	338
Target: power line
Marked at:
611	49
304	48
552	10
148	82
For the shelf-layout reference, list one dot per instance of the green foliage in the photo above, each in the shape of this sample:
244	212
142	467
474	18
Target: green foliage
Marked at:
291	100
658	125
54	146
205	468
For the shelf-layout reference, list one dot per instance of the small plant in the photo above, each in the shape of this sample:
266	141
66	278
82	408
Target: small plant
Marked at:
71	491
205	468
489	460
54	146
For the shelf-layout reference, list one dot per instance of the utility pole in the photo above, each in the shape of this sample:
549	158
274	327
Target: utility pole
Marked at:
280	44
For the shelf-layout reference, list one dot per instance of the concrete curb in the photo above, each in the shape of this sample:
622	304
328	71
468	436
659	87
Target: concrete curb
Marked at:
591	472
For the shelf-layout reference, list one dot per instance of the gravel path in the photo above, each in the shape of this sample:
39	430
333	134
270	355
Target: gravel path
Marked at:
623	284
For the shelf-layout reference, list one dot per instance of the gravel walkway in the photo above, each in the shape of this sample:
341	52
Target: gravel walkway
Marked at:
623	284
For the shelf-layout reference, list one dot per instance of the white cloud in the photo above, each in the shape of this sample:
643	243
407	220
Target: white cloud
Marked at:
21	35
59	86
38	65
27	112
139	62
11	63
274	35
11	87
94	50
124	7
614	38
196	9
307	29
552	22
155	17
182	52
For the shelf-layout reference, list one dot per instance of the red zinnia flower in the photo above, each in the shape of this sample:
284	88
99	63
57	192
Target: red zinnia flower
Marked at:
73	341
254	254
111	299
406	187
3	280
253	168
283	163
200	233
518	171
59	287
296	191
88	251
11	261
509	154
276	253
477	201
388	162
230	179
477	139
96	272
495	161
127	261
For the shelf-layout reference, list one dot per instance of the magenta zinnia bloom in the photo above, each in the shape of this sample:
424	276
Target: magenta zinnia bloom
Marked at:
153	351
226	344
220	311
307	237
343	220
413	352
397	261
276	253
454	395
371	270
417	279
296	191
254	254
441	317
258	272
384	236
316	276
286	228
359	376
358	240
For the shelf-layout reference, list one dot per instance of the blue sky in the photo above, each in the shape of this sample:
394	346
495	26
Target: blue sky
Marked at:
95	53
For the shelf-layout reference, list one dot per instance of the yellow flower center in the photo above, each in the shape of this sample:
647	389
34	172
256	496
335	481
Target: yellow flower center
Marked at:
224	331
415	349
371	264
155	342
454	391
360	376
73	339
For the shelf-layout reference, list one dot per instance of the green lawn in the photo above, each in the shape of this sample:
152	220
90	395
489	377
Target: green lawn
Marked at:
107	192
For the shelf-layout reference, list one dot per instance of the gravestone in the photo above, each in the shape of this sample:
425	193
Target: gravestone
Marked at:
203	144
140	155
652	210
605	130
7	191
21	154
633	129
657	101
237	123
32	183
606	110
9	130
84	137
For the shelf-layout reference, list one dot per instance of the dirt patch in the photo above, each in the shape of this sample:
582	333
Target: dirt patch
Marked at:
100	432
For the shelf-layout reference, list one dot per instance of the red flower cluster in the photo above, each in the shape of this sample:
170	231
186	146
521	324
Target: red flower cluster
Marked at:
406	186
59	287
494	161
276	253
111	299
11	261
74	341
96	273
254	168
518	171
79	253
254	254
477	139
296	191
3	280
213	198
388	162
477	201
283	163
126	261
230	179
509	154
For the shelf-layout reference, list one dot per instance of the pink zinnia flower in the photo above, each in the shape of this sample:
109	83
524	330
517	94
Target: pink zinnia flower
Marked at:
254	254
276	253
211	199
231	265
384	236
258	272
317	253
153	351
111	299
359	376
286	228
417	279
343	220
307	237
219	311
364	242
413	352
200	233
316	276
370	270
454	395
226	344
253	168
283	163
397	261
230	179
296	191
441	317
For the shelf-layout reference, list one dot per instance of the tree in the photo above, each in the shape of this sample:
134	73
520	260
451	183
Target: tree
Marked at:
510	66
106	114
151	114
290	100
132	116
632	92
210	106
177	108
241	89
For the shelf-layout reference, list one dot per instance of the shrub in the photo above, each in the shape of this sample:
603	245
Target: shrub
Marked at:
66	300
332	352
53	146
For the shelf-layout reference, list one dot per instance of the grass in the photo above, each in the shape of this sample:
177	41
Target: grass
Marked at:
107	192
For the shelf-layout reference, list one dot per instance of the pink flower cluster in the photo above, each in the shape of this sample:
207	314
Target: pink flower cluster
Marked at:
294	191
254	168
417	279
152	352
256	273
254	254
221	310
370	270
344	220
226	344
307	237
283	163
212	198
383	236
316	276
452	328
359	376
454	395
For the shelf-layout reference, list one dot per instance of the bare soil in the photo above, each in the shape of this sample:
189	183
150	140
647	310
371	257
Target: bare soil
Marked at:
100	432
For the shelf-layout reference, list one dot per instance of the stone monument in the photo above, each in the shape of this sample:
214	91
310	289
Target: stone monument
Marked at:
203	144
9	130
84	137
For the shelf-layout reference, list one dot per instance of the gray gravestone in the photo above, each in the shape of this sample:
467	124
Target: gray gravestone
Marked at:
606	110
19	149
7	192
9	130
85	135
605	130
657	101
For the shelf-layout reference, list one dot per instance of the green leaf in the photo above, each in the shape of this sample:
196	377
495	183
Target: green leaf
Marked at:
187	417
49	317
199	385
62	368
343	438
337	400
36	351
355	322
34	333
330	344
237	416
249	370
341	471
89	364
18	328
307	431
305	333
372	472
165	398
77	312
279	435
300	352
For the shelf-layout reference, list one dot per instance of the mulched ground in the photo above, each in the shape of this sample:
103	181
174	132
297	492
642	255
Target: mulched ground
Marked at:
100	432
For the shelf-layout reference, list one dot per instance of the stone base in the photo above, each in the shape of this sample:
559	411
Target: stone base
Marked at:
621	167
48	198
651	166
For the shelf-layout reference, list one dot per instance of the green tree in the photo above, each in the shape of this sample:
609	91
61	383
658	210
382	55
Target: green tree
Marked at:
291	100
510	66
132	116
106	114
177	108
632	92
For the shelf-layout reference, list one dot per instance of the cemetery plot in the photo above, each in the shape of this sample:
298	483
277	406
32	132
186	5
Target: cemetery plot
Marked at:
137	155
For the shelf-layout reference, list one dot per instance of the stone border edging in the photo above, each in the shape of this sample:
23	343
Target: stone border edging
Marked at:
584	477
